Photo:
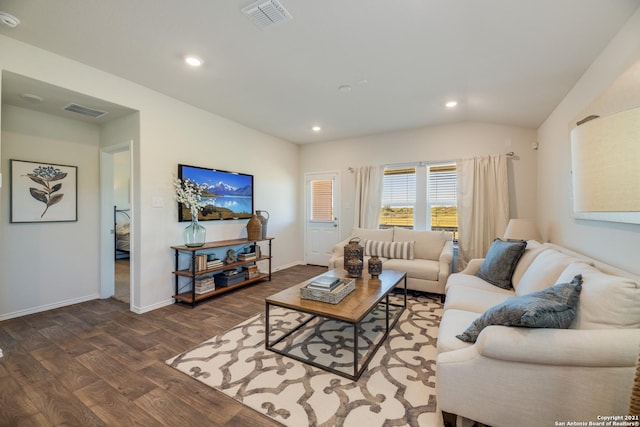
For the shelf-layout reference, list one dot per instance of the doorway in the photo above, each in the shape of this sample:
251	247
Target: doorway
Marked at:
116	223
322	230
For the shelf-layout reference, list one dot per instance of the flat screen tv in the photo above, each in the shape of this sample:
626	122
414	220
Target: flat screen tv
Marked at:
227	195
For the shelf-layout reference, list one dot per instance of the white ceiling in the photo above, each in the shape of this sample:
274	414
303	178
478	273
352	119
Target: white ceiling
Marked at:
505	61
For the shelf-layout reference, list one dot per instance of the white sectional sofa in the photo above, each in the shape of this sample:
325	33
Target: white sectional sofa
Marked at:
427	270
539	376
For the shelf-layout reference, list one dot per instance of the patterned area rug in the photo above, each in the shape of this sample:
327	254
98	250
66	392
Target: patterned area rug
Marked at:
397	389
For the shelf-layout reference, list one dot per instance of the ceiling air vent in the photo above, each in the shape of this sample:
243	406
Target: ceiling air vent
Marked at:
266	13
85	111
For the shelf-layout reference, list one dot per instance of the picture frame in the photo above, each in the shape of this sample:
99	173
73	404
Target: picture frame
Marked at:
43	192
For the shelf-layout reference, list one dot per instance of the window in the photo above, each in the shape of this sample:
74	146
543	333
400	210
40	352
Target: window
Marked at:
322	200
420	198
442	198
398	197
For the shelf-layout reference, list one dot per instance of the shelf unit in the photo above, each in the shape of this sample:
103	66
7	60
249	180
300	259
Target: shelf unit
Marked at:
191	297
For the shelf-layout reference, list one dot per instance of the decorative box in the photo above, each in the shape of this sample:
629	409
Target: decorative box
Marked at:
332	297
229	280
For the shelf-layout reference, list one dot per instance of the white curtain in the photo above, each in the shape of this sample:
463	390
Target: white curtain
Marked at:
368	196
483	204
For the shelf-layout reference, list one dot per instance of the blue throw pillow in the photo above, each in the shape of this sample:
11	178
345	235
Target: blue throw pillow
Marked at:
500	262
554	307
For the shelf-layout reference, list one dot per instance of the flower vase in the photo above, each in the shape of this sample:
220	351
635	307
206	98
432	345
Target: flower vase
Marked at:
375	266
194	234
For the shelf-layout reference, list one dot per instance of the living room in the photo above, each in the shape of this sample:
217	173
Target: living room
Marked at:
164	131
540	177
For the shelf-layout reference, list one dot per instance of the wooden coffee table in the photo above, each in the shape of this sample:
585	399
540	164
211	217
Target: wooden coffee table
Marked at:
369	293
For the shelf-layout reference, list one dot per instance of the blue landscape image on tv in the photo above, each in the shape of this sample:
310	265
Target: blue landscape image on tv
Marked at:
226	195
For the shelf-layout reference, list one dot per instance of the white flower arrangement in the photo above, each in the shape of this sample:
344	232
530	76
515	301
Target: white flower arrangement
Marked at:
189	194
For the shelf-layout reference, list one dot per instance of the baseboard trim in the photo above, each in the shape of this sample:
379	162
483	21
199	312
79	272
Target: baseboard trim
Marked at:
148	308
46	307
293	264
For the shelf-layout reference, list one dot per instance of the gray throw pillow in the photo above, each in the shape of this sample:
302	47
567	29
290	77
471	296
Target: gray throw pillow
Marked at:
554	307
500	262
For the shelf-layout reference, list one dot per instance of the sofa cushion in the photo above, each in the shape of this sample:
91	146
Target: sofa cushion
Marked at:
453	323
543	271
425	269
472	299
385	234
532	250
428	245
554	307
464	280
500	262
400	250
606	301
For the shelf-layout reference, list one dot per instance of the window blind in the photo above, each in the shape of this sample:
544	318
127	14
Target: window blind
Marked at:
441	186
322	200
399	187
442	197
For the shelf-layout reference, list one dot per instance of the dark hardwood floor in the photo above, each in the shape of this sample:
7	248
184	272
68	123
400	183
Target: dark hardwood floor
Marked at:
98	364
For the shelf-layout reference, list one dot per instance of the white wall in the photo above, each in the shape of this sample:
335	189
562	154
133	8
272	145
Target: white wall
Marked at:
117	134
120	131
172	132
197	138
430	144
54	263
614	243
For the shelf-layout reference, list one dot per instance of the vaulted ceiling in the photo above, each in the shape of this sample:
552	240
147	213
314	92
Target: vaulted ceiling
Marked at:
352	67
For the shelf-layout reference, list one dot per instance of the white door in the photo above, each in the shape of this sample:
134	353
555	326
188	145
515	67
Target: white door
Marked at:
107	226
321	216
107	245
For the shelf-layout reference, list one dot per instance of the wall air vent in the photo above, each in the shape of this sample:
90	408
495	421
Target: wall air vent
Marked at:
266	13
85	111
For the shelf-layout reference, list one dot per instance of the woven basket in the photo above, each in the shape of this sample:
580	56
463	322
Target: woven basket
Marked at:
254	228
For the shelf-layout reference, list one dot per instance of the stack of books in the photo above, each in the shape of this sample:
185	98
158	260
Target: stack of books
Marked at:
252	271
201	262
331	290
324	283
205	285
214	263
249	256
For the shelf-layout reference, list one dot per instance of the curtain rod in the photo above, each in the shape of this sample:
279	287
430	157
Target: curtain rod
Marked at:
352	169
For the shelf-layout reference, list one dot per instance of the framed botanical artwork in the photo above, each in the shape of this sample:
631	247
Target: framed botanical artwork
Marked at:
43	192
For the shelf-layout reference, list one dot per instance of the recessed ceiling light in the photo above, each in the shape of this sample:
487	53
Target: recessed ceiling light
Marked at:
451	104
31	97
344	88
192	60
316	128
9	20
